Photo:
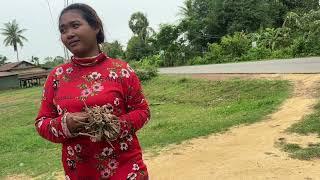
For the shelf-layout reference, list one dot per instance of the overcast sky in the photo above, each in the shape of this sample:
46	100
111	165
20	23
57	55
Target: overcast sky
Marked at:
43	34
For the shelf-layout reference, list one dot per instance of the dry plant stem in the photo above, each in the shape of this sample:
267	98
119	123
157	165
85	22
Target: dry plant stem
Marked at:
102	125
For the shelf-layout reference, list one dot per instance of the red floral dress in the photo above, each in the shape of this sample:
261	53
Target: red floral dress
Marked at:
107	82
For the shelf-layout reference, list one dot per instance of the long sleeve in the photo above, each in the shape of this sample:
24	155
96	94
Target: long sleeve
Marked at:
138	113
49	124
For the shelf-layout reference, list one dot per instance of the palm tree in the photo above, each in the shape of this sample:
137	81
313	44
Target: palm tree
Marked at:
13	35
186	11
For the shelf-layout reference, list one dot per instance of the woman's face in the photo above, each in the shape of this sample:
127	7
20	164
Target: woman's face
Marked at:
77	35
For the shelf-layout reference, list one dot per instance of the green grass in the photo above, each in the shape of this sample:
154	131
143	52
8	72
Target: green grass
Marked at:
313	151
193	108
310	124
181	109
22	150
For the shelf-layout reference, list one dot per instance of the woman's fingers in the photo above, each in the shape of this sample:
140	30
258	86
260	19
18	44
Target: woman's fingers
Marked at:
81	114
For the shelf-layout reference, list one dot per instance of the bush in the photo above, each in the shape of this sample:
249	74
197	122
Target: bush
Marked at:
197	60
306	47
214	54
282	53
236	45
256	54
146	68
154	60
147	73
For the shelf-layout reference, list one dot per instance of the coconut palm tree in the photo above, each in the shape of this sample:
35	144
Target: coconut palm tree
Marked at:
13	35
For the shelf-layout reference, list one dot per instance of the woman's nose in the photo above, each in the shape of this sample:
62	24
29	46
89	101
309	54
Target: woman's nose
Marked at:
70	34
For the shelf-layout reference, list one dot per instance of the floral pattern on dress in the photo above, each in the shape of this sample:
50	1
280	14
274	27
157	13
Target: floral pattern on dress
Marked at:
135	167
85	93
123	146
59	71
116	102
67	177
97	87
69	70
95	76
132	176
71	164
113	75
91	86
129	68
70	151
78	148
125	73
107	152
59	110
113	164
94	82
107	162
136	170
106	173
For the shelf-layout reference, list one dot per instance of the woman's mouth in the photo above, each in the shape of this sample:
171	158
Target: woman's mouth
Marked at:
73	43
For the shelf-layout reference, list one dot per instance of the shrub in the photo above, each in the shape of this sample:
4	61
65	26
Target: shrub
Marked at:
147	68
154	60
147	73
282	53
214	54
256	54
236	45
197	60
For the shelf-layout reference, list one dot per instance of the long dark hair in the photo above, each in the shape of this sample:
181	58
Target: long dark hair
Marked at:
90	15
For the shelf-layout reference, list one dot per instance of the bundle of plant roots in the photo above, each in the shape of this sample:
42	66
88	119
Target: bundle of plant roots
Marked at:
102	124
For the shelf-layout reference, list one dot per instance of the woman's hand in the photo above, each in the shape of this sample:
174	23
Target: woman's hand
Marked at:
75	121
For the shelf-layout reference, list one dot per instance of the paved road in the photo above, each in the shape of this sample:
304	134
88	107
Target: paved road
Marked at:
284	66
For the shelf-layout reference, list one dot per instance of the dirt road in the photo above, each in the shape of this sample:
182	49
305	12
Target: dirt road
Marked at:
246	152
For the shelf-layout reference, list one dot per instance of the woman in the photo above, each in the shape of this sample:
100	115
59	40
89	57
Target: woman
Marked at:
91	78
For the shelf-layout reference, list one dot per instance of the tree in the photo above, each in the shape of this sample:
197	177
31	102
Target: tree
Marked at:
51	62
206	21
113	49
13	36
35	60
199	24
166	36
137	49
58	60
139	46
138	23
3	60
170	45
300	6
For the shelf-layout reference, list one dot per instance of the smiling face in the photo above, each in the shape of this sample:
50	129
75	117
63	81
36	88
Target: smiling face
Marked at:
77	35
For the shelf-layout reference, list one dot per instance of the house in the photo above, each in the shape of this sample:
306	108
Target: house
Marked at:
21	74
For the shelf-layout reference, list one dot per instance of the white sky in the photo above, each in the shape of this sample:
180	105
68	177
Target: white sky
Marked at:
43	34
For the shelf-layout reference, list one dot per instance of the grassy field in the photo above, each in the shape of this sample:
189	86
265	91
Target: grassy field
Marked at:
310	124
181	109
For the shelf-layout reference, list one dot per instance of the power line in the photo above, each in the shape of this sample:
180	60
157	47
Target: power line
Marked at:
66	52
66	55
50	14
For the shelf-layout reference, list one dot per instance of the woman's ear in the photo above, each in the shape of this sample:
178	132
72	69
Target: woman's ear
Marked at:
97	30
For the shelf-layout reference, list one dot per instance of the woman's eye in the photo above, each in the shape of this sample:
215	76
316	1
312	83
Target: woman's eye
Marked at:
75	26
62	31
